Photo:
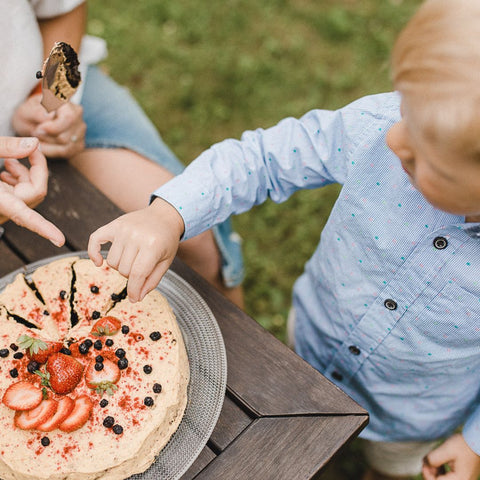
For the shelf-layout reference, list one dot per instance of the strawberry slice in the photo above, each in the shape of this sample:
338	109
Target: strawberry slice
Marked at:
103	380
64	372
64	408
22	396
106	326
30	419
78	416
37	349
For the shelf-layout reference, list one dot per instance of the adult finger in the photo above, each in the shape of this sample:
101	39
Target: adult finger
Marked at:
17	147
24	216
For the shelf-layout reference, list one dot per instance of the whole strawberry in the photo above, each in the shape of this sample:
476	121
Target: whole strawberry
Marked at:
64	372
37	349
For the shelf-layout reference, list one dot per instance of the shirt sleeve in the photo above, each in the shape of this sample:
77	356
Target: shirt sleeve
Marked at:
233	176
52	8
471	431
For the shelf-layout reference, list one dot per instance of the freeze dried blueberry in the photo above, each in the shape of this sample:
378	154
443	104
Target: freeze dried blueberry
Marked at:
45	441
103	402
155	336
108	422
148	401
33	366
98	345
65	351
147	369
4	352
120	352
14	373
122	363
99	366
157	388
118	429
14	347
63	294
95	314
94	289
18	355
108	342
125	329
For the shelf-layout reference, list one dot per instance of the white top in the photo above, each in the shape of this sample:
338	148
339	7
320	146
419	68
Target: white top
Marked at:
21	51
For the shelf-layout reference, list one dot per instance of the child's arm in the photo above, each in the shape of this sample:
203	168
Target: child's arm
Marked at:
144	244
464	463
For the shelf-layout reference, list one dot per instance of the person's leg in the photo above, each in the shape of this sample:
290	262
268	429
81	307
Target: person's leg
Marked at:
127	160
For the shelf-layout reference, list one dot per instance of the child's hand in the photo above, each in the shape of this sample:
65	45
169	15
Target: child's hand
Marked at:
21	188
464	463
144	244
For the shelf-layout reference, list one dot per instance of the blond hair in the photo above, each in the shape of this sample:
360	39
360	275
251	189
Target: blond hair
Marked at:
436	68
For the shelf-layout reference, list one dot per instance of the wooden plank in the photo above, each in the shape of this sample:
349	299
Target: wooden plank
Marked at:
8	260
263	373
284	448
231	422
205	457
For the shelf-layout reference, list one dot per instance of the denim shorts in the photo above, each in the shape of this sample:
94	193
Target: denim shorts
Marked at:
115	120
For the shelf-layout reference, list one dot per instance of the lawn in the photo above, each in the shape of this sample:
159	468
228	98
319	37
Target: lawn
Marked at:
205	71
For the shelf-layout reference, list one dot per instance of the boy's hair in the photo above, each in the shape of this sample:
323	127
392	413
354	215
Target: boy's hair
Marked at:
436	68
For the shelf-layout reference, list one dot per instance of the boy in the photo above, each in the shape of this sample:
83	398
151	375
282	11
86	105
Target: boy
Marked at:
388	306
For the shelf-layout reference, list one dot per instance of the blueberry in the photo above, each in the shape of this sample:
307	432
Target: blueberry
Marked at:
14	373
157	388
95	314
103	402
13	347
115	297
65	351
147	369
88	342
99	359
148	401
4	352
98	345
118	429
120	352
98	366
125	329
108	422
122	363
63	294
18	355
108	342
45	441
83	348
94	289
33	366
155	336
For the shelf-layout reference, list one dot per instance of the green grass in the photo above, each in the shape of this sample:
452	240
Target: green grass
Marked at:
205	71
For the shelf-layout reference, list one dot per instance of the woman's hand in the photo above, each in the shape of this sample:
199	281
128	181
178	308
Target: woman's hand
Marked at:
22	188
61	133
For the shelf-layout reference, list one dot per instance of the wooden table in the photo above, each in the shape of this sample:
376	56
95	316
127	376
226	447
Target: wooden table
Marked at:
281	419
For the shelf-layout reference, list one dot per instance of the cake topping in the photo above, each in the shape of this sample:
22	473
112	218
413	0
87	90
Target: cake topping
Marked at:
30	419
79	415
45	441
64	373
108	422
148	401
106	326
22	396
118	429
147	369
157	388
103	379
64	408
122	363
155	336
4	352
37	349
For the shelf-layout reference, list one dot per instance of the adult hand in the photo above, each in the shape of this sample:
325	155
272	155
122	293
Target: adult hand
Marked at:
144	244
463	462
61	133
22	188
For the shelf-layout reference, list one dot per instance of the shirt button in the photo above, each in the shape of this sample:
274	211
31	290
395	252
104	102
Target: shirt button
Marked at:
390	304
337	376
440	243
354	350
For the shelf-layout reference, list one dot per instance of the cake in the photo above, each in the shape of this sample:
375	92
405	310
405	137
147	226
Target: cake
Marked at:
92	385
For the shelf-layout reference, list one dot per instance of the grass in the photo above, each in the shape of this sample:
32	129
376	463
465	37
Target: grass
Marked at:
205	71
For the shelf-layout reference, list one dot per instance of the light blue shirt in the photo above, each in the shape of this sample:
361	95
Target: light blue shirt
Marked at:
388	307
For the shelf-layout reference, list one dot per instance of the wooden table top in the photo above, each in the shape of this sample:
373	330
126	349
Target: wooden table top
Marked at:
281	419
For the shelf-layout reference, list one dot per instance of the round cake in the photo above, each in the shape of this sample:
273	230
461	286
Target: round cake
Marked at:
92	385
